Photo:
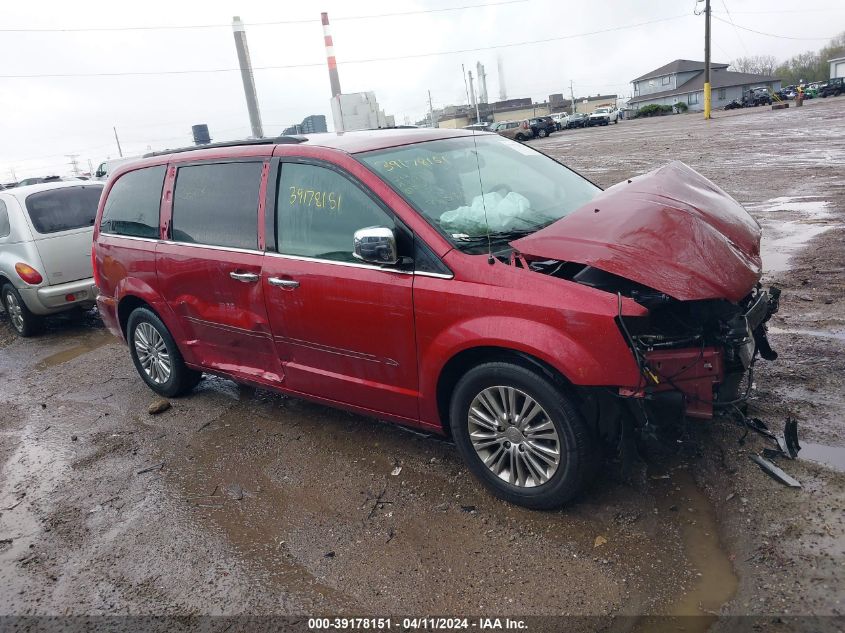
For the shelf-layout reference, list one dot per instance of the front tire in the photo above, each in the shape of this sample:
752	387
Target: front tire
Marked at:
156	356
24	322
521	435
542	134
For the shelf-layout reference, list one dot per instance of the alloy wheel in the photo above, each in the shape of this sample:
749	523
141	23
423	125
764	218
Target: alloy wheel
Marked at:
514	436
152	353
15	311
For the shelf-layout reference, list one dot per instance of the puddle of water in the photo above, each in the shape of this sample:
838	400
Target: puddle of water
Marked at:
714	582
814	208
89	343
790	237
782	239
834	334
830	456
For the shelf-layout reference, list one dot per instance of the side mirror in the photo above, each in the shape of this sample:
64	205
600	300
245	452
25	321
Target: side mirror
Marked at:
375	245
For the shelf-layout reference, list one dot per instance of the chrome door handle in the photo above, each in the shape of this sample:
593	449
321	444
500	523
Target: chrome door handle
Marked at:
244	277
283	283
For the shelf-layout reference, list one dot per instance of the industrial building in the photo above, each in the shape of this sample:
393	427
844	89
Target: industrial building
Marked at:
312	124
358	111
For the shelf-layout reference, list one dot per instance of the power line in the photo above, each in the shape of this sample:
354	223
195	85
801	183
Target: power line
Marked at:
350	62
271	23
783	37
724	4
825	10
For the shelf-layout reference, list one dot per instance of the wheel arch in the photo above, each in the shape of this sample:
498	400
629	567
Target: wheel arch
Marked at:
471	357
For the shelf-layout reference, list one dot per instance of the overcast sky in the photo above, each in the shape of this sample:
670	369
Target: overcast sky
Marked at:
44	118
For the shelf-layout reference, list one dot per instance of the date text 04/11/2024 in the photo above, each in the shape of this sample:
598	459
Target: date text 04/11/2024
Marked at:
411	624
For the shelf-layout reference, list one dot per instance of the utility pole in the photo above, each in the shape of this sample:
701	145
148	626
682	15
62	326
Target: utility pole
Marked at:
706	59
247	78
571	98
430	111
117	140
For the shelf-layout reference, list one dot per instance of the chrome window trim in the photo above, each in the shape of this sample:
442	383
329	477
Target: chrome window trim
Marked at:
300	258
130	237
230	249
318	260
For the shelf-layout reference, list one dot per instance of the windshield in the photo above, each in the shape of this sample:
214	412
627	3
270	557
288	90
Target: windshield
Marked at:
602	111
475	187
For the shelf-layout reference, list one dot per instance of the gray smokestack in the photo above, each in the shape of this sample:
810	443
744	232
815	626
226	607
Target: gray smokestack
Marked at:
246	76
482	83
503	93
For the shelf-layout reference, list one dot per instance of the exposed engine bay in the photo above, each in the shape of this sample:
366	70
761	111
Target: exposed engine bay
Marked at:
693	355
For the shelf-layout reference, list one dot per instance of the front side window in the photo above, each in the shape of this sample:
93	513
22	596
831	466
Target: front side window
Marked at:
63	209
470	188
5	226
132	206
319	210
217	204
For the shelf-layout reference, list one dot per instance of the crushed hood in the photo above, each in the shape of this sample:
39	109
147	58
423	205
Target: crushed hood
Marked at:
670	229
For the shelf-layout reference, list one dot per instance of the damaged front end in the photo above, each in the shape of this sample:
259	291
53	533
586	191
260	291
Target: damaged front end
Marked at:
697	356
685	250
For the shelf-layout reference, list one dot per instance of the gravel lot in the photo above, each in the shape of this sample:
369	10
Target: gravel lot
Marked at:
237	501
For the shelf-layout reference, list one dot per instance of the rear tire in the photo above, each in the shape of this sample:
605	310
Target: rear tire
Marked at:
156	356
539	461
23	322
542	133
520	138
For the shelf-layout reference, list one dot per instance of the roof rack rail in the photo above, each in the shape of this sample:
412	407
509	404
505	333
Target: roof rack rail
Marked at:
278	140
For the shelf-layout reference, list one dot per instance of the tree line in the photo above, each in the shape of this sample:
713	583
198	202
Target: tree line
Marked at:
804	67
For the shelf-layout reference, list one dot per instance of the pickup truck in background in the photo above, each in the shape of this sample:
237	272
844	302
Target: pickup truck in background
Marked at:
603	116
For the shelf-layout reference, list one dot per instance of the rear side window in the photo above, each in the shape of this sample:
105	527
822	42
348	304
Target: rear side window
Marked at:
132	207
217	204
63	209
319	211
5	227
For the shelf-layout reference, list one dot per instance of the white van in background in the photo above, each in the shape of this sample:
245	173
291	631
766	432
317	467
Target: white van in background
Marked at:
105	169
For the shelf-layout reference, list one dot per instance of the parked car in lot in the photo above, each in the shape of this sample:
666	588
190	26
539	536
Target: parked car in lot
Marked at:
603	116
460	283
833	88
756	97
45	250
578	119
478	127
542	126
516	130
561	120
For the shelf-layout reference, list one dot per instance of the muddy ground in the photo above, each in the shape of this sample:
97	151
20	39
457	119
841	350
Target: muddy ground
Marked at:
238	501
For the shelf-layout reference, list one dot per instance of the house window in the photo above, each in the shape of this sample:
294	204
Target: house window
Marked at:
665	80
692	98
651	82
721	93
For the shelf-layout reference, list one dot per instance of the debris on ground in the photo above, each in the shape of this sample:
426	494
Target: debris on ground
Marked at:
600	540
151	469
159	406
775	472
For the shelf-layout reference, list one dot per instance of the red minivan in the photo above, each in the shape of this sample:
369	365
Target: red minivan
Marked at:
454	281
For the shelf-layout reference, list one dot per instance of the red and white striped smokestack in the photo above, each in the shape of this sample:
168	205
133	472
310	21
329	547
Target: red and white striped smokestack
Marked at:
330	58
